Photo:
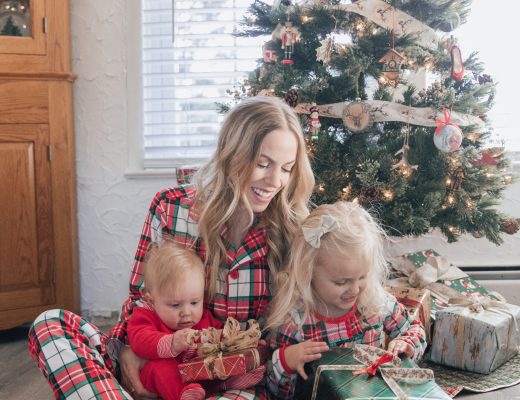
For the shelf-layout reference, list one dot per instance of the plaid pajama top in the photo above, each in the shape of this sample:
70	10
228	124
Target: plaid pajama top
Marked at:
350	328
242	290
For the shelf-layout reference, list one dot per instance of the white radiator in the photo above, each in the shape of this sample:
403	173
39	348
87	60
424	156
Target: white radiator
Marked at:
505	282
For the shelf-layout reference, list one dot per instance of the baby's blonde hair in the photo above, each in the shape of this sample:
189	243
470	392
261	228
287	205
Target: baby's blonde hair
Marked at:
357	234
168	265
220	183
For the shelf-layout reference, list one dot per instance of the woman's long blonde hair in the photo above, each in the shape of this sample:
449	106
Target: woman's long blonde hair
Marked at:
357	234
220	182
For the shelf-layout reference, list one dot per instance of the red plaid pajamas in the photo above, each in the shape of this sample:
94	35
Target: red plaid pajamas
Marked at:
83	364
336	332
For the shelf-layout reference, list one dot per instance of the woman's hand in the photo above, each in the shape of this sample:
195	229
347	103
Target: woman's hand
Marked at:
297	355
130	366
398	346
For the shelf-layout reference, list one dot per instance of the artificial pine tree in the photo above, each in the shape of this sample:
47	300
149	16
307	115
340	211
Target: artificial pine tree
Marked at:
418	158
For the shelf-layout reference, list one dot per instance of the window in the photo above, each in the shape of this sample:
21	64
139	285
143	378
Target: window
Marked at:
182	80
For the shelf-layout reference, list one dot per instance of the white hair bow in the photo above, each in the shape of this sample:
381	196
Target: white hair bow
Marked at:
313	235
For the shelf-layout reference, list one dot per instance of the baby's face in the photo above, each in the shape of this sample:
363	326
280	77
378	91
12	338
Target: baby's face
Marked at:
181	308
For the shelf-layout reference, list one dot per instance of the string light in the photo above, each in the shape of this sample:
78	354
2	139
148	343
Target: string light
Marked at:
508	179
321	187
451	199
448	181
388	194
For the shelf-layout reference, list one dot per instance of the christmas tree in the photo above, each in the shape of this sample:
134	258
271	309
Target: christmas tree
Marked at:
415	157
10	29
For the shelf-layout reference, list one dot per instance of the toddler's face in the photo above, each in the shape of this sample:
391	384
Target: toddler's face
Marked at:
338	281
183	307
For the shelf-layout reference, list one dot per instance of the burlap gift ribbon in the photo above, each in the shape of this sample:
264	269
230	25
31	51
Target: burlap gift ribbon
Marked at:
214	343
477	304
434	269
369	356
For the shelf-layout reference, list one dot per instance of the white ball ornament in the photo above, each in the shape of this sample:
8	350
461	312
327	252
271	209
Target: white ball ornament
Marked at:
448	138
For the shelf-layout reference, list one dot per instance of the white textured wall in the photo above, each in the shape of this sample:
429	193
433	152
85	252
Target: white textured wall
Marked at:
111	208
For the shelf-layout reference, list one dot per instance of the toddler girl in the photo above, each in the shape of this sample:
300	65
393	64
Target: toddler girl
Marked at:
332	295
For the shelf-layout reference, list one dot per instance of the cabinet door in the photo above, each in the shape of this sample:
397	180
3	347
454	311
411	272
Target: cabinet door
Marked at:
22	27
26	235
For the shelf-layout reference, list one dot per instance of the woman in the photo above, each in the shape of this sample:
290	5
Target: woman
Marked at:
240	217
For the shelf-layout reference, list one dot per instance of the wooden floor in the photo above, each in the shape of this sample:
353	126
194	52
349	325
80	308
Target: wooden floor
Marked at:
20	378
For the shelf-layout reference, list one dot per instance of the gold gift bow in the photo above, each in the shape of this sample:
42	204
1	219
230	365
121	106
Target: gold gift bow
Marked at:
230	339
477	304
434	269
367	355
216	342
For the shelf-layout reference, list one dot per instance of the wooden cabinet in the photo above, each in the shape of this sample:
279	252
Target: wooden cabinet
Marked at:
38	228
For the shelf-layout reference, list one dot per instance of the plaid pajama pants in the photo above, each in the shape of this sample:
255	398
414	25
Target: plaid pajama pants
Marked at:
72	355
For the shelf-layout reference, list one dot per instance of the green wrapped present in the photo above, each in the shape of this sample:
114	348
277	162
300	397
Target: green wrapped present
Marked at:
342	374
427	269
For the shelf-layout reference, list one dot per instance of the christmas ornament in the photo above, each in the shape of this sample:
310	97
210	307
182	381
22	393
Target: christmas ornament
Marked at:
509	226
369	195
289	36
357	116
404	165
457	66
454	181
313	123
292	97
392	66
269	54
324	52
448	136
489	156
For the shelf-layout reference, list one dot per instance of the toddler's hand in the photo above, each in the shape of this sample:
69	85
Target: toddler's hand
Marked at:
180	340
297	355
397	347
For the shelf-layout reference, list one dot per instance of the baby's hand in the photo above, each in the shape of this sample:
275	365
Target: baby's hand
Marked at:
297	355
181	340
398	346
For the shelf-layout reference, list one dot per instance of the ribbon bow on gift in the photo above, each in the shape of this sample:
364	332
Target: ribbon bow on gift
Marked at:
435	268
313	235
217	342
387	365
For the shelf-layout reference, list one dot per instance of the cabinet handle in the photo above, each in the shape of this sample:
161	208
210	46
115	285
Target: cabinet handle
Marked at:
44	25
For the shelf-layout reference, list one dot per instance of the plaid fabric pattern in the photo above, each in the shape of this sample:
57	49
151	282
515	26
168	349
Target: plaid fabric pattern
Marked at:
341	331
242	286
72	355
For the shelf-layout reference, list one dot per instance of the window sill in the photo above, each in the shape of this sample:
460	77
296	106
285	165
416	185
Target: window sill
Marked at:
169	173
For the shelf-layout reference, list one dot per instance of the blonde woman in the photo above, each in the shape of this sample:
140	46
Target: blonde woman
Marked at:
333	295
239	218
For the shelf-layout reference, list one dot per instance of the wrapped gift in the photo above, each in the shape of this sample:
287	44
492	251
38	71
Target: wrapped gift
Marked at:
427	269
222	366
364	373
476	334
417	302
224	352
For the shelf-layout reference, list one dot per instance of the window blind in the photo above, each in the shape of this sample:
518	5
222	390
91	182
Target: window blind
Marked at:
190	59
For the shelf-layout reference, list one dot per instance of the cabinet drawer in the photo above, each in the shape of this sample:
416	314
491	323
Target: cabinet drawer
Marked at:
24	102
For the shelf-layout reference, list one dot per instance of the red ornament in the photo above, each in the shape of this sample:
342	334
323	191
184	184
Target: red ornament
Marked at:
457	66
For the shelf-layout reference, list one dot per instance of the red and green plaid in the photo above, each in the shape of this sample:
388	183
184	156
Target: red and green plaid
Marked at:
77	364
342	331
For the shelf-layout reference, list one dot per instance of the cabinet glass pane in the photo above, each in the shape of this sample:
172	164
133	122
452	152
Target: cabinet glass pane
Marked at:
15	18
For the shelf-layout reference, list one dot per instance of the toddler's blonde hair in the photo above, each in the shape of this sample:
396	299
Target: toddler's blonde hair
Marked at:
357	234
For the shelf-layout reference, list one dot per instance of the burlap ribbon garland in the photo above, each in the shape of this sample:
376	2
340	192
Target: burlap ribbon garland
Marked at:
214	343
390	371
477	304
